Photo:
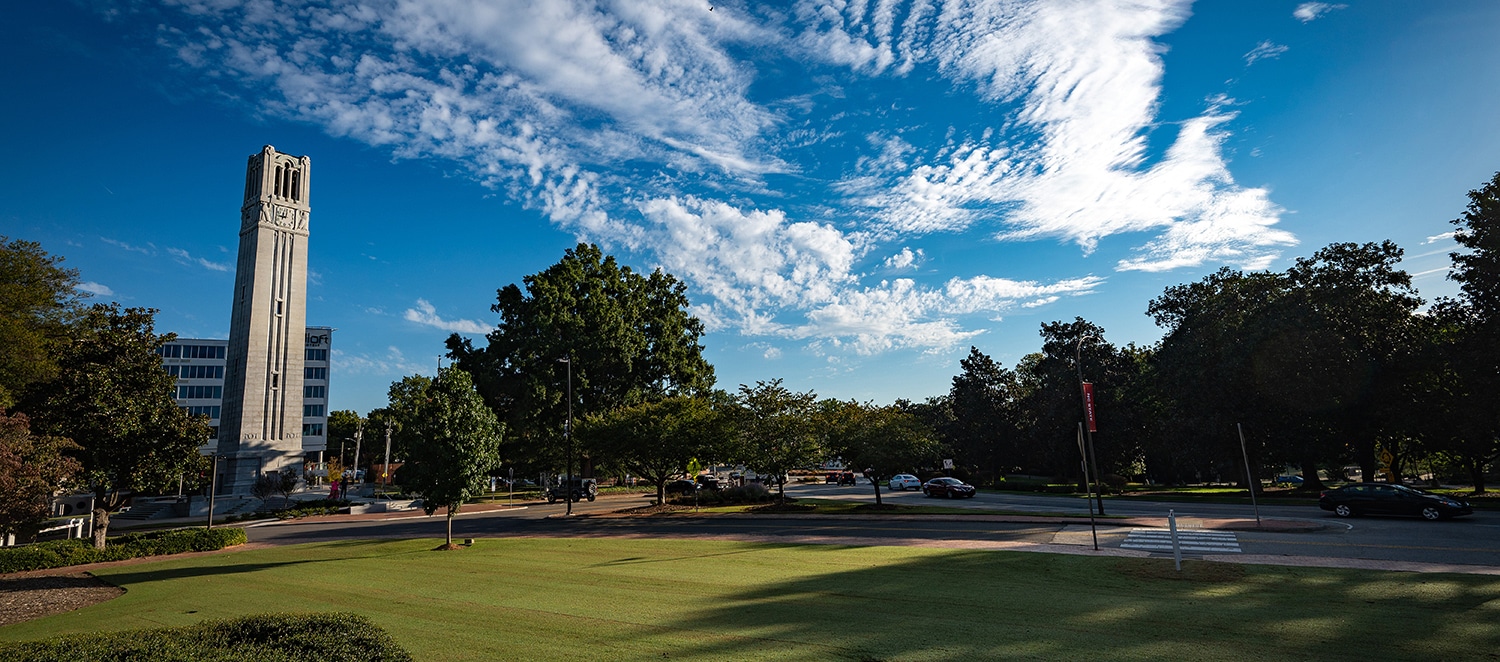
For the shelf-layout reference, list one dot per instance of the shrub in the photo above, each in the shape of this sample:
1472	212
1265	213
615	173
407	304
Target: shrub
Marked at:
336	637
748	493
60	553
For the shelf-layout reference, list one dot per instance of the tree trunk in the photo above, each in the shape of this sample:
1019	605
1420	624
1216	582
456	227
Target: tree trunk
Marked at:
101	526
877	490
1476	474
451	511
661	491
1310	480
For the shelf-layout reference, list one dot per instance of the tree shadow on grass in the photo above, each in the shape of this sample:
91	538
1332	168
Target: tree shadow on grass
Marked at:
215	566
1005	605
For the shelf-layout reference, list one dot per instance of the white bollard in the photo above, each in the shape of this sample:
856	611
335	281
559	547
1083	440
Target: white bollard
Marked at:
1176	548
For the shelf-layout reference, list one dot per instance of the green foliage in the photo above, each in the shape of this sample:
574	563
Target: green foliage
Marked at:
730	496
113	399
984	431
629	335
459	445
61	553
880	441
32	469
778	430
335	637
655	440
37	298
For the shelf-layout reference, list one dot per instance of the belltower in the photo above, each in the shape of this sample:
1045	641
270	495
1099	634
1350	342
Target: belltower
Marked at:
260	429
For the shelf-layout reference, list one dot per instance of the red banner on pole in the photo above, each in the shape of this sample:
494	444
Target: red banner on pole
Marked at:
1088	405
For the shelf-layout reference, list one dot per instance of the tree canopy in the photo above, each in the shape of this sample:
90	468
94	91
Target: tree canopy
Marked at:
629	336
113	399
456	444
656	440
777	430
32	469
37	299
880	441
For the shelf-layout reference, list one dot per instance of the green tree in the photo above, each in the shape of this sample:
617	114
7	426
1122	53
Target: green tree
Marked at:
984	432
881	441
629	336
460	445
32	469
777	430
37	299
113	399
655	440
1473	345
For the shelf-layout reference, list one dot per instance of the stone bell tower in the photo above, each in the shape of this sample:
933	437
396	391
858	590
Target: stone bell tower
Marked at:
260	429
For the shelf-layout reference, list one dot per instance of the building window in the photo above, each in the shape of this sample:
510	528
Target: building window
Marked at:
315	373
200	392
317	355
312	411
211	411
315	392
170	351
312	429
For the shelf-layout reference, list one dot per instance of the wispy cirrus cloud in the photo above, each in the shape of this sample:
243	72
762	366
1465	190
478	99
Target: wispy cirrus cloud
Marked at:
184	257
1265	50
426	314
643	126
1071	160
96	289
148	249
393	362
1308	12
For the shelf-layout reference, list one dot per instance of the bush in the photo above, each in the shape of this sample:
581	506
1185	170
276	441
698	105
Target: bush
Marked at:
60	553
748	493
336	637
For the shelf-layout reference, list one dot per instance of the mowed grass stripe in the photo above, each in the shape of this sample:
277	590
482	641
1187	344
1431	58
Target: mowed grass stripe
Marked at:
549	598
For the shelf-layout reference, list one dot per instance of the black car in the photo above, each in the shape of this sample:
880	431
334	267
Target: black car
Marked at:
681	486
1387	499
952	488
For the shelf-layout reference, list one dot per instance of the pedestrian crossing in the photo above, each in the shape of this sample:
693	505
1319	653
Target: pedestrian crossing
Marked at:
1196	541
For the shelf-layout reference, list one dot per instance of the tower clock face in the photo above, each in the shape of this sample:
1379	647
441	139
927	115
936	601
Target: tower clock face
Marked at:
288	217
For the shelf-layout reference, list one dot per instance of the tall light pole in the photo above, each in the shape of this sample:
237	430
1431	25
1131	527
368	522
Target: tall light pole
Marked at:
1087	410
359	438
568	436
385	475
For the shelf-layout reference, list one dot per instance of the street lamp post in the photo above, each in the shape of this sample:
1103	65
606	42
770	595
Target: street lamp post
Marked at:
359	438
568	436
1088	429
213	488
385	475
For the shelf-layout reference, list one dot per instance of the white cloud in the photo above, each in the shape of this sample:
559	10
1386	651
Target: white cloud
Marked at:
1308	12
184	257
1071	161
425	313
1265	50
148	249
1446	236
392	363
96	289
906	259
621	120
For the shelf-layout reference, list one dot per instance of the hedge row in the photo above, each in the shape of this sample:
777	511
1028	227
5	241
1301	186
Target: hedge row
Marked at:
59	553
335	637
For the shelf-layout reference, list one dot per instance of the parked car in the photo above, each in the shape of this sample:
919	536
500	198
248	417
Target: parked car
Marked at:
952	488
707	482
1287	480
681	486
905	482
1388	499
574	488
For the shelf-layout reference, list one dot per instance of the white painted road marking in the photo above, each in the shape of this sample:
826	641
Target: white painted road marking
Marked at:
1160	540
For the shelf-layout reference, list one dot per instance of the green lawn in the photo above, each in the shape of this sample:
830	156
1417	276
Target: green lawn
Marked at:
612	599
837	507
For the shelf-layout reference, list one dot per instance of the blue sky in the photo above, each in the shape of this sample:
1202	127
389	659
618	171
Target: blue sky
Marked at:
854	192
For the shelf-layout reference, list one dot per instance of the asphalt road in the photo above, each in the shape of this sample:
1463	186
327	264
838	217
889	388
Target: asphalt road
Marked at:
1473	540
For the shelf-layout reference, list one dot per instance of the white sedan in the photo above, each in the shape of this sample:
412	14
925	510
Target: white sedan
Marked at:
905	482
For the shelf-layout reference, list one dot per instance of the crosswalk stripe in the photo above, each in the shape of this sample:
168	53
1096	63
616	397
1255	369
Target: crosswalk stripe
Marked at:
1188	541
